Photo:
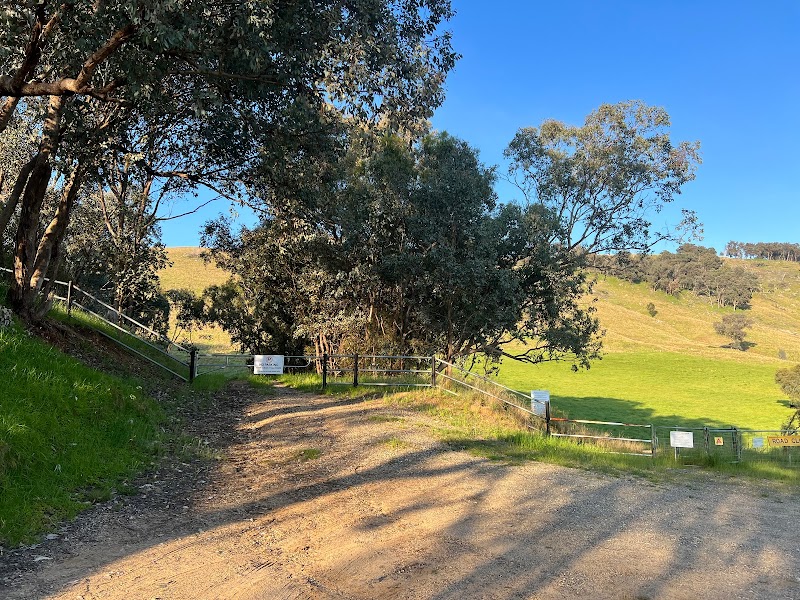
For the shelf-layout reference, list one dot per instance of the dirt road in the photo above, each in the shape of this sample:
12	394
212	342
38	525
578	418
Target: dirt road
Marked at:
325	497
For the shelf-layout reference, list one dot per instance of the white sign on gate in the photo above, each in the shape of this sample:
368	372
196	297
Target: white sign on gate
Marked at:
268	364
539	400
681	439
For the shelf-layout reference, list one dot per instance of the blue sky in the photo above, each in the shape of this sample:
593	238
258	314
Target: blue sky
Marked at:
728	73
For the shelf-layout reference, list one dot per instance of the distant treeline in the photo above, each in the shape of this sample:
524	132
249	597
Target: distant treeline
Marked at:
691	268
767	250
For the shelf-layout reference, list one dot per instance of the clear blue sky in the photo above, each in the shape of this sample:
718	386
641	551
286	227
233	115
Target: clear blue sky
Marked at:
728	73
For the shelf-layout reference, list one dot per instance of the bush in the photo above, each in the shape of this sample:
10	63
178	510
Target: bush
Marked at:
733	326
651	309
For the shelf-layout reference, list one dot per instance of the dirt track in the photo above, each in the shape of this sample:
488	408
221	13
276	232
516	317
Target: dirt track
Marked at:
388	512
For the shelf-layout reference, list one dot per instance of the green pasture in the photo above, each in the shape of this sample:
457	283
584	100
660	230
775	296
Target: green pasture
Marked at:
660	388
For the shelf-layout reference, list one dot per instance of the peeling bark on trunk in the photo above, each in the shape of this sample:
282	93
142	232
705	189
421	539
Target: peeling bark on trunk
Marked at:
22	294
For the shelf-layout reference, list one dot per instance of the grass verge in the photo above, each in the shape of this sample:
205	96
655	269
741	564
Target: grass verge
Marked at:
69	436
491	430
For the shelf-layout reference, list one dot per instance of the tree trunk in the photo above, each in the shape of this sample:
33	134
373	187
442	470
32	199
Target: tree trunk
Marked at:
23	293
49	251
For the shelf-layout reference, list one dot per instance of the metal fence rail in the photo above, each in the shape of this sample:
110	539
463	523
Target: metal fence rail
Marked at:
125	331
615	437
381	370
449	375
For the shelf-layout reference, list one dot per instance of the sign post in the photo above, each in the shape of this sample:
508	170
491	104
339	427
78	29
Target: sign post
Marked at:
681	439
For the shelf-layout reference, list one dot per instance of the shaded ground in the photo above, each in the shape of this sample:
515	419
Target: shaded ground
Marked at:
325	497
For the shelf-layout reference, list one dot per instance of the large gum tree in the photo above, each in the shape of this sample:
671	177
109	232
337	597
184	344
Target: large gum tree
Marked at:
236	81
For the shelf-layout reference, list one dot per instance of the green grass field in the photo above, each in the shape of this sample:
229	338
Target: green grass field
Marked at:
663	388
674	369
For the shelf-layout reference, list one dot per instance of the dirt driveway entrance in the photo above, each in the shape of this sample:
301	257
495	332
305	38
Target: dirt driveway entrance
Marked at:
325	497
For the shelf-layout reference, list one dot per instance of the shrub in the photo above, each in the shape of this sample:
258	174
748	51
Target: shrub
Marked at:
733	326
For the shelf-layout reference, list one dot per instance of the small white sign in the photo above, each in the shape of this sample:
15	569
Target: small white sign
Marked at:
268	364
758	442
539	400
681	439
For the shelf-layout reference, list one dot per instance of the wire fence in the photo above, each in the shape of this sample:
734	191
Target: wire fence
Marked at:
616	437
453	378
134	336
684	444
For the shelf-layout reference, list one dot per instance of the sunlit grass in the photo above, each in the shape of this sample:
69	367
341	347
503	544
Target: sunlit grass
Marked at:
190	272
69	436
664	388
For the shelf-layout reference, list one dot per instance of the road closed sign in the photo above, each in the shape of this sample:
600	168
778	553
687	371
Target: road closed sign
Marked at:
784	440
268	364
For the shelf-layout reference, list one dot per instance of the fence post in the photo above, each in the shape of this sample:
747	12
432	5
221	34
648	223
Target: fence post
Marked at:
547	417
433	371
69	298
653	441
737	446
324	371
355	370
192	364
706	444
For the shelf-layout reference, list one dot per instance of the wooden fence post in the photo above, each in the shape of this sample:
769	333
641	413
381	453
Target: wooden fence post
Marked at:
324	371
547	417
737	444
355	370
433	371
192	364
653	441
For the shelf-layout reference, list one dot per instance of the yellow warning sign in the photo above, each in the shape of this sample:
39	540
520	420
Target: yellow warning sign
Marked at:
718	441
784	440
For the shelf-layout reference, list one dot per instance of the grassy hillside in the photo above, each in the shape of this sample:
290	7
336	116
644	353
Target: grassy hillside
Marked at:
189	271
670	369
69	435
673	368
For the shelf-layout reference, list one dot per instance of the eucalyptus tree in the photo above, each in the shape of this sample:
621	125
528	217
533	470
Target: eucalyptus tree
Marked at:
605	179
411	253
237	81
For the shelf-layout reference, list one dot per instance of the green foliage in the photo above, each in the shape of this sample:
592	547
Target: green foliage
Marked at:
603	179
767	250
789	380
651	309
410	255
193	94
691	268
733	327
68	435
114	247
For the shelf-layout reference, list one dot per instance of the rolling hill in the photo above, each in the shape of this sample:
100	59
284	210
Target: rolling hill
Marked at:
669	369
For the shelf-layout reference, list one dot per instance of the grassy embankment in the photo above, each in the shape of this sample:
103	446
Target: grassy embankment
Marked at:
69	435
